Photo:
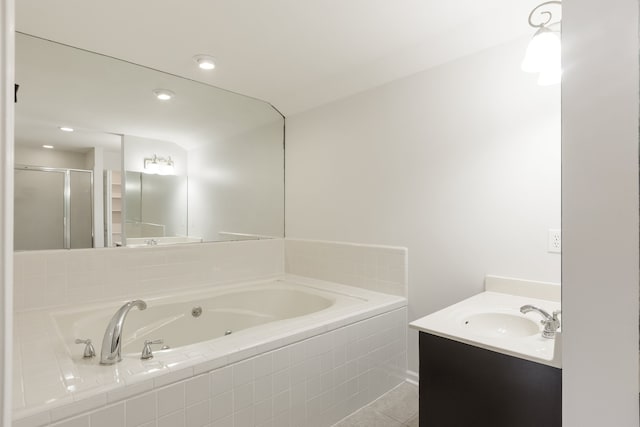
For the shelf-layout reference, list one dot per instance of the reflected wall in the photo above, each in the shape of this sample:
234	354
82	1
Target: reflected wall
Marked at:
228	148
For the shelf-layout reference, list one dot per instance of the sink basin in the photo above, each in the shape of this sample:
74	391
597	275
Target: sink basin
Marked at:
496	325
492	321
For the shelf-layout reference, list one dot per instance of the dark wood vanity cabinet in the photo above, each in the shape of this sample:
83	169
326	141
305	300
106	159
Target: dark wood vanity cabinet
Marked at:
466	386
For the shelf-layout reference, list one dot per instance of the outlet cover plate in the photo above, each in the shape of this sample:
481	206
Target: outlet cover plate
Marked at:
555	241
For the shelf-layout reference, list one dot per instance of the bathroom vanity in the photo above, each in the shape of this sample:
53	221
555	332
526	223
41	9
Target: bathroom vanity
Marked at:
463	385
484	363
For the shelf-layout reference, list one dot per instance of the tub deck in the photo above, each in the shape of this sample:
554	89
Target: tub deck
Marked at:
48	382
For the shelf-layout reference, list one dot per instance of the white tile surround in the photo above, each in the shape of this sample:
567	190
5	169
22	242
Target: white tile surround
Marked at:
333	369
314	382
377	268
63	277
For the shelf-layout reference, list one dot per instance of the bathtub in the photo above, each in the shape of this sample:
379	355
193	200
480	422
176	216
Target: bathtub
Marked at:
188	319
302	349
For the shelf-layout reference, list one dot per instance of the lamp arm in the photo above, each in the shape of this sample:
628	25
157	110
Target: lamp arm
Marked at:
546	15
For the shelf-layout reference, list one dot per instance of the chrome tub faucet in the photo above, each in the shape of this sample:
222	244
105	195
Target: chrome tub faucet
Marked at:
89	351
551	322
112	341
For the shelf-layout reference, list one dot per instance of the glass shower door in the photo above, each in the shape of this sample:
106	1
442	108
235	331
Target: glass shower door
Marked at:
53	208
39	209
80	209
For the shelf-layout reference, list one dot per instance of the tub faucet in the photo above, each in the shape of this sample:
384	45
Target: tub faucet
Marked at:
551	322
112	341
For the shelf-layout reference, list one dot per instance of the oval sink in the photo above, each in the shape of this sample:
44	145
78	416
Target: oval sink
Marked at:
496	325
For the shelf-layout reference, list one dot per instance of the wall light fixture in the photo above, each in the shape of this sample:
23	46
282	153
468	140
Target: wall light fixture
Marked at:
159	165
543	52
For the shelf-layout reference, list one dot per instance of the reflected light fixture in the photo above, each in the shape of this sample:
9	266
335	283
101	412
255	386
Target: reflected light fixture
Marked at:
163	94
543	51
205	62
65	129
159	165
50	147
167	168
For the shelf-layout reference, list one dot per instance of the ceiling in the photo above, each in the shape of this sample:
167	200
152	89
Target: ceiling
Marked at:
102	98
295	54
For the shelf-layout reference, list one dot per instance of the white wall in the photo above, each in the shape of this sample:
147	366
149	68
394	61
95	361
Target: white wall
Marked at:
112	160
600	213
235	184
460	163
6	206
50	158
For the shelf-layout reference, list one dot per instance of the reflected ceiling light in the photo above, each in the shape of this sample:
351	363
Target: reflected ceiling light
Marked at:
159	165
205	62
65	129
543	51
163	94
50	147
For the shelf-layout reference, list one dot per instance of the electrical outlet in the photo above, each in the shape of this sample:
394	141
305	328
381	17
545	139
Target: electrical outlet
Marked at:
555	241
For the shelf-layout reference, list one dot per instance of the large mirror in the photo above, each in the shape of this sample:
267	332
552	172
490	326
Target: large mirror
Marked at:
102	161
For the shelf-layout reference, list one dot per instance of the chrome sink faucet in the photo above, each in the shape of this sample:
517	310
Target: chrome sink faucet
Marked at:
112	341
551	322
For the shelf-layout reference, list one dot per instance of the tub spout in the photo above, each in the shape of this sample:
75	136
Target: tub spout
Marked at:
112	341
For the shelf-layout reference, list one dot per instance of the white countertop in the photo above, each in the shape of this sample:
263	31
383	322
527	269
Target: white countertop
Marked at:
453	323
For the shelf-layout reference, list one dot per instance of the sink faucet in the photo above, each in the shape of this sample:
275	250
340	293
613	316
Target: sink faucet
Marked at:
551	322
112	341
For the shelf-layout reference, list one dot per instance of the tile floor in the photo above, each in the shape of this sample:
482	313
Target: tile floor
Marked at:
397	408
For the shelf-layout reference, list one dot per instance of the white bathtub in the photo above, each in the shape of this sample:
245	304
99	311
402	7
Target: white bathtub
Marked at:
299	329
222	311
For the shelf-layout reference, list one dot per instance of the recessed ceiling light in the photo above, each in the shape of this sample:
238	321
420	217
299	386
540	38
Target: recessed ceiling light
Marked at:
163	94
66	129
205	62
48	146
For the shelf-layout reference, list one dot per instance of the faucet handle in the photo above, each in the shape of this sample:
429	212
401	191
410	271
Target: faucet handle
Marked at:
146	350
89	351
551	325
555	318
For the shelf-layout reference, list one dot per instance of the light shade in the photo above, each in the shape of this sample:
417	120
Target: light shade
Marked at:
166	167
151	165
543	52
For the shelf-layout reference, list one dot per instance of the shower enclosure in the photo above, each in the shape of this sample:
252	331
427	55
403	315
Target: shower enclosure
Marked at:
53	208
